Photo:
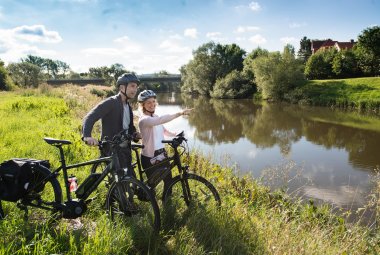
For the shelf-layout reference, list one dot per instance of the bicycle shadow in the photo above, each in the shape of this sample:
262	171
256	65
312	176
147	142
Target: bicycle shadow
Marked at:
212	231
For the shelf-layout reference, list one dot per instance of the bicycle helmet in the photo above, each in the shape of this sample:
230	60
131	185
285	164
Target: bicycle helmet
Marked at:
145	94
126	78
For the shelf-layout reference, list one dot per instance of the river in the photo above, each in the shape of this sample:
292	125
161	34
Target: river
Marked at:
317	153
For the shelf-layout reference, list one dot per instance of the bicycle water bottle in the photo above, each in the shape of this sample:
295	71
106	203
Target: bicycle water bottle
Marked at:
73	183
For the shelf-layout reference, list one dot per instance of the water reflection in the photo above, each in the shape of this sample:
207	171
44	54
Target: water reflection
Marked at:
337	151
227	121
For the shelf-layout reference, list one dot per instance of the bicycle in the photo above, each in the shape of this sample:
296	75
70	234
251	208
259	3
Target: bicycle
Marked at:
185	187
127	198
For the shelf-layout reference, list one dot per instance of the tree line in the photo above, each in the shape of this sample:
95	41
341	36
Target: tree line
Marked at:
226	71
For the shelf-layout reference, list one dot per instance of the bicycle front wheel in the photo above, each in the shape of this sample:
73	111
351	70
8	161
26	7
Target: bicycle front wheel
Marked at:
131	201
192	190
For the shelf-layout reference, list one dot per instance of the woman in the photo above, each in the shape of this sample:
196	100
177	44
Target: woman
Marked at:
152	133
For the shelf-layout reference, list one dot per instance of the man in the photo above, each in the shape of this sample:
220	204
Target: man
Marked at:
116	115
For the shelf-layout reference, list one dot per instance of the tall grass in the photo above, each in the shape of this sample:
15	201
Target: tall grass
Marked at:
252	220
357	93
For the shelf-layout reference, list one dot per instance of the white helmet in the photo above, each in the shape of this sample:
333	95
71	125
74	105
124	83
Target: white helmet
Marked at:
145	94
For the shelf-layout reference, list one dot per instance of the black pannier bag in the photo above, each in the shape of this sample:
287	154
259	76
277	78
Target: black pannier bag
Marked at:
18	176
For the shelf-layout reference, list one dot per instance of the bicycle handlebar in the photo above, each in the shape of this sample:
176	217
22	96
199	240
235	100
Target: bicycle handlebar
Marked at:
176	141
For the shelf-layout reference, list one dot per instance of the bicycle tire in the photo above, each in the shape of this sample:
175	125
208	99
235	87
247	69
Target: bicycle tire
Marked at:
139	209
47	195
202	192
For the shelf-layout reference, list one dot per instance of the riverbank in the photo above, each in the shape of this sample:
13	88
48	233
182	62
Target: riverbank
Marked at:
251	221
356	93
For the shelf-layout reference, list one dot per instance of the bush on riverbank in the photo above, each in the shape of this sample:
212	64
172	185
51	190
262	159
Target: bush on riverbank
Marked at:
251	221
357	93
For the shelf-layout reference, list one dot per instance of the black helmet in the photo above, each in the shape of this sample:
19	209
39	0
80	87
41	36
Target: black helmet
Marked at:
126	78
145	94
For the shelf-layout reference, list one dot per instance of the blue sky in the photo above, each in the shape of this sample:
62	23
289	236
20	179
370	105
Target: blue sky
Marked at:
147	36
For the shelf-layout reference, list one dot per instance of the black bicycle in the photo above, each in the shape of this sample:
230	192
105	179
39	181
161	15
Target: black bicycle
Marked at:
186	187
127	198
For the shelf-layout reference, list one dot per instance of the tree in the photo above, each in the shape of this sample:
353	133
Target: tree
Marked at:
319	65
110	74
248	61
305	49
5	81
345	64
368	50
116	70
53	68
278	74
233	85
210	62
25	74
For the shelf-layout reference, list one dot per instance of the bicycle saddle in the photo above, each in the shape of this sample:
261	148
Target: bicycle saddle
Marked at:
54	141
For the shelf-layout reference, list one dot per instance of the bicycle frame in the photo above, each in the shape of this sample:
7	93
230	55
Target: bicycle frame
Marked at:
175	161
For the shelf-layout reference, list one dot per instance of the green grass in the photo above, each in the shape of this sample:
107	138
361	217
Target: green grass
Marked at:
251	220
357	93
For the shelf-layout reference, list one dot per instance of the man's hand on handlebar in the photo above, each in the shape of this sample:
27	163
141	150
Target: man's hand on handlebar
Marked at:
90	141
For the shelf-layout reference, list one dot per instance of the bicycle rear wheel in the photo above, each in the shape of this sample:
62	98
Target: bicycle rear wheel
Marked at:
44	197
132	202
192	190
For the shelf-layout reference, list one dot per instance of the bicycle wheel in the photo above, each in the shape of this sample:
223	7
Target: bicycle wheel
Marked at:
192	190
43	197
132	202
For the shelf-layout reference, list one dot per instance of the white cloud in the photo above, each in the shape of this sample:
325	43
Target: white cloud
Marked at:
101	52
175	37
244	29
257	39
215	36
288	40
173	47
254	6
14	46
297	25
240	39
128	45
36	33
191	32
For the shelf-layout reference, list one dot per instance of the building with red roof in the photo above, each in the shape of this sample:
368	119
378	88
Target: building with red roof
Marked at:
328	44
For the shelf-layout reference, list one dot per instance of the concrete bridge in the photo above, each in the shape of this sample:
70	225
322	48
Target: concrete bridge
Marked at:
163	78
96	81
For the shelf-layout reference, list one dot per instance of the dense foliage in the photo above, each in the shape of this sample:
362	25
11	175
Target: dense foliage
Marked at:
305	49
362	60
211	62
5	81
368	51
277	74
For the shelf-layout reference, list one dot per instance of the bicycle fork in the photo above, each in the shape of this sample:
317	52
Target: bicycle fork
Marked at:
186	189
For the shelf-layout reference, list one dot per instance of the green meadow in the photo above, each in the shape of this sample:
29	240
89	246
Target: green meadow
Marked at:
252	220
354	93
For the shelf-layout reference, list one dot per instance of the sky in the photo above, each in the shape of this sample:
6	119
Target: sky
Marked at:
148	36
